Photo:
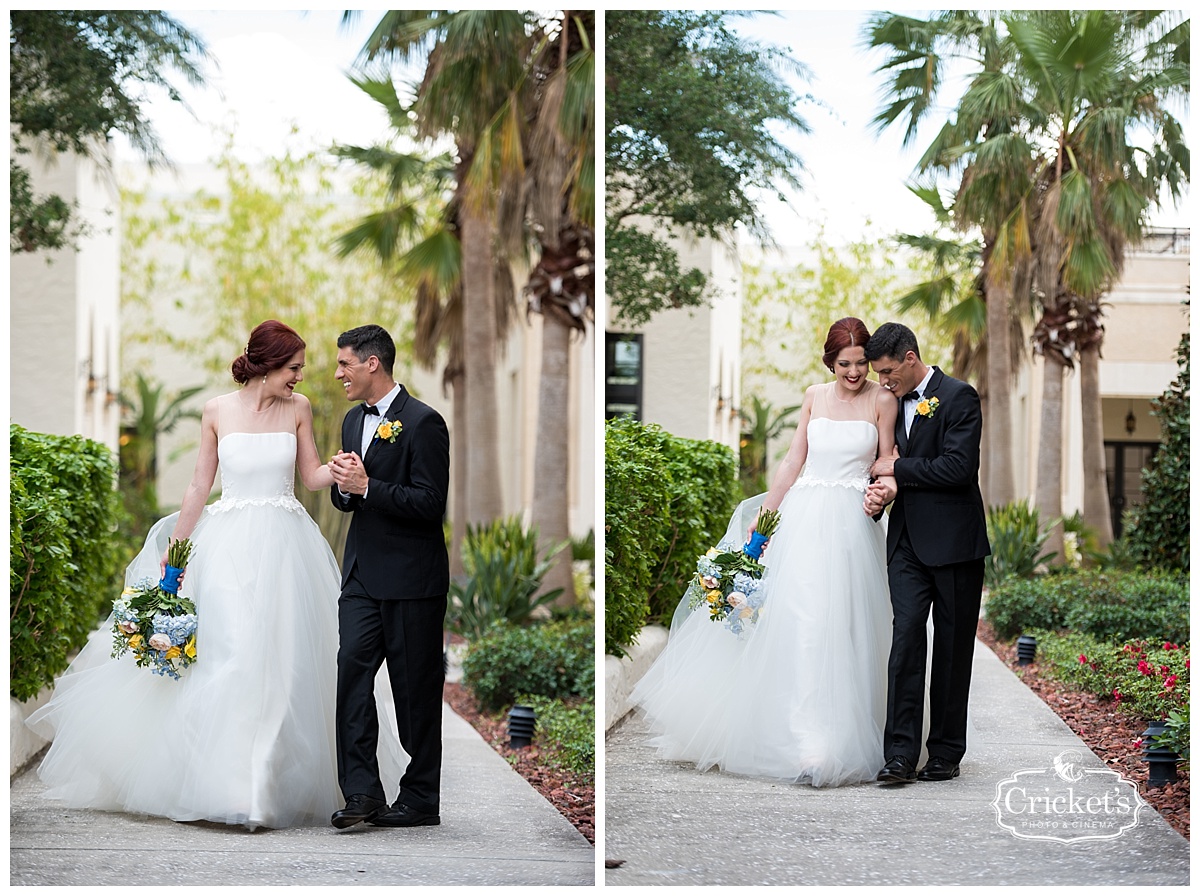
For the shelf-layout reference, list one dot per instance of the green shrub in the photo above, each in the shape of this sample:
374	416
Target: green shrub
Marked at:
1016	536
1158	532
566	732
636	494
64	554
553	659
667	500
503	573
1107	604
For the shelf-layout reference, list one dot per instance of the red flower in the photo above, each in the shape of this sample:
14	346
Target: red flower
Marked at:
1137	744
1187	664
1082	659
1169	646
1165	670
1170	680
1144	668
1116	695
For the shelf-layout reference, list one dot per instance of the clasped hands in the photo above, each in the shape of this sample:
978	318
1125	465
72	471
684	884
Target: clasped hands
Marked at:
349	473
883	491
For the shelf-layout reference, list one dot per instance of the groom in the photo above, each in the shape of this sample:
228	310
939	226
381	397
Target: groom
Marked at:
936	542
392	474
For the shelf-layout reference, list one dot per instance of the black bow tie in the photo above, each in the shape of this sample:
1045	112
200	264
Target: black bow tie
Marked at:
913	395
370	409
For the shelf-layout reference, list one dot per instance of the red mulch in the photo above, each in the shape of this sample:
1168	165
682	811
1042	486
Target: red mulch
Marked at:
574	798
1109	733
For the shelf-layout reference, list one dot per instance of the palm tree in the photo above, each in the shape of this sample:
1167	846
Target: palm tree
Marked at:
531	175
473	59
762	424
1101	81
981	145
150	412
561	177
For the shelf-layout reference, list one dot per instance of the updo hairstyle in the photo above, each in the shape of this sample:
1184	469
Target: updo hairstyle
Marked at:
846	332
272	344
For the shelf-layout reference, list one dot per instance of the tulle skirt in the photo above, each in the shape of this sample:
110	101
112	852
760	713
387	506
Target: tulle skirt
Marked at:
246	735
802	694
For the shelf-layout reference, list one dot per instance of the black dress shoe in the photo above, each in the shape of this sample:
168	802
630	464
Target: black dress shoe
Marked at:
938	769
359	808
898	770
402	816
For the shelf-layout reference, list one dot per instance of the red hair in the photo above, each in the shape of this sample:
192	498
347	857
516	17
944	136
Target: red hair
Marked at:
846	332
271	345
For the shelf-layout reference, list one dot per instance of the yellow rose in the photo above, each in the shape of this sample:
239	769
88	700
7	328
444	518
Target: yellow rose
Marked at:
714	597
136	642
173	653
190	647
923	408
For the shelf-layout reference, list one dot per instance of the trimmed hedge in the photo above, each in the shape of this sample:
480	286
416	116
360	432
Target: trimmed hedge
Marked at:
64	552
553	659
1112	605
667	500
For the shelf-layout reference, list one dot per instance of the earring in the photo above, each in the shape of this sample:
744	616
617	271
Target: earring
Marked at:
264	379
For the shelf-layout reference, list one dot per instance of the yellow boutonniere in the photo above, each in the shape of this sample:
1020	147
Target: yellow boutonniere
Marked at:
388	430
927	406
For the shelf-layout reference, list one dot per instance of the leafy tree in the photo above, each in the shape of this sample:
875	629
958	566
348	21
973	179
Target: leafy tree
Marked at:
1158	532
75	77
692	111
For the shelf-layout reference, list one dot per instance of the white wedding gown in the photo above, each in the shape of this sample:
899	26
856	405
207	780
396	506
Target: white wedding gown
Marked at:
246	735
802	694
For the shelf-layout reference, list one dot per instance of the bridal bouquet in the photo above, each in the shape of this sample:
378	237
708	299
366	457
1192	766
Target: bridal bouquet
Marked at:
728	582
154	622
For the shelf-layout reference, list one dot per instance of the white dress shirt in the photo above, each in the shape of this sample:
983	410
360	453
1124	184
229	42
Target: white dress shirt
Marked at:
371	423
910	405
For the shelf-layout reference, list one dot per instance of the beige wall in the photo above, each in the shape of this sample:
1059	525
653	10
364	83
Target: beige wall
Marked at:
692	357
63	313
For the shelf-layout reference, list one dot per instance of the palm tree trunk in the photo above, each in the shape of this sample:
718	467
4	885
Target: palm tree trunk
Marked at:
458	465
998	421
1096	511
484	496
1050	452
552	456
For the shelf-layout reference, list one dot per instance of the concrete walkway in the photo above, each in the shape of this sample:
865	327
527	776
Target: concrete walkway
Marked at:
670	824
496	829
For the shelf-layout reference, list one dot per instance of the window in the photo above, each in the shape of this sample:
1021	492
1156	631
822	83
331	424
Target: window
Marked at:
622	375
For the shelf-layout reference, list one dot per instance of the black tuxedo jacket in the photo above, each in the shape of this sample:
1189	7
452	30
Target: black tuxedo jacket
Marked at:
396	537
937	473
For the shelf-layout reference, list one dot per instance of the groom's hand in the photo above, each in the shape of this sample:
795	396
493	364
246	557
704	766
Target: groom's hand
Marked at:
884	466
879	495
349	473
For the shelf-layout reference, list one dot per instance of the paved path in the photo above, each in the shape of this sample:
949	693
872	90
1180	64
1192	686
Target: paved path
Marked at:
673	825
496	829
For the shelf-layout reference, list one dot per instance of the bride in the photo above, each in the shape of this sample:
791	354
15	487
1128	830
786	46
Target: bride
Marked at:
801	695
246	736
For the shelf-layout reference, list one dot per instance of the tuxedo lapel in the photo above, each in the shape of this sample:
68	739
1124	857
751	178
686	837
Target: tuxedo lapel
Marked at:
901	435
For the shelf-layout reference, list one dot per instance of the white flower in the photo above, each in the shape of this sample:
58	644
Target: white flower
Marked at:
129	628
736	599
709	582
160	641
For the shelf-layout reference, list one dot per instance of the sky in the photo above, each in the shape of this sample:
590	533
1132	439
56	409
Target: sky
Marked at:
278	68
272	70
